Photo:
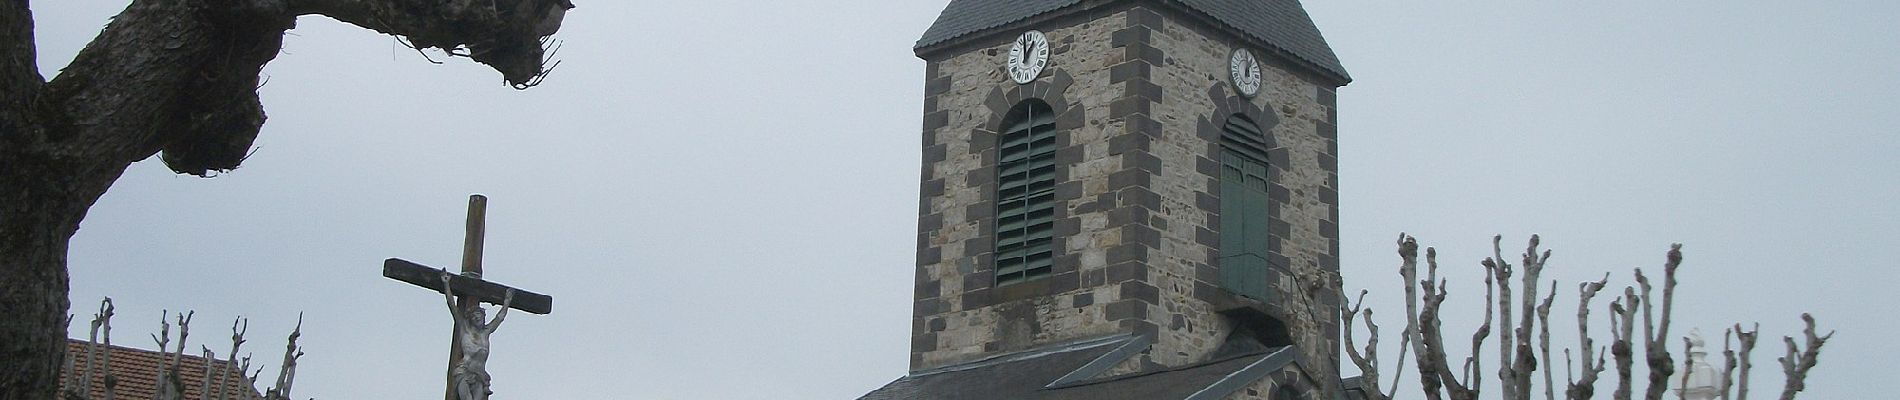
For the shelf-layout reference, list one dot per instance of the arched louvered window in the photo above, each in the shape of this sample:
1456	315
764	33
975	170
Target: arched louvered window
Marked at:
1025	193
1245	209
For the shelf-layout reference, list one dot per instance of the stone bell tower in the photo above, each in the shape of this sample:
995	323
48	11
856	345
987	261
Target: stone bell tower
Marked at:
1126	199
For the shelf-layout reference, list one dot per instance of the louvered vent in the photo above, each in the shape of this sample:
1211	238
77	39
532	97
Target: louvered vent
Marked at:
1025	194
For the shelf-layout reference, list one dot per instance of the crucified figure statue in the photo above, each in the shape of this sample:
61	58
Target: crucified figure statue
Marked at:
471	372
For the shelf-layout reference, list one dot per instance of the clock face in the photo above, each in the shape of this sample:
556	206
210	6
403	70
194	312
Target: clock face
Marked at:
1246	72
1027	57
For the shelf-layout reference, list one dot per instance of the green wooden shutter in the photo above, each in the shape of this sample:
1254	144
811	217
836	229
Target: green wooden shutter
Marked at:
1025	195
1245	210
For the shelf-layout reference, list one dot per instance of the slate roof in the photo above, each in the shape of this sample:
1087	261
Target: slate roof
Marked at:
1281	24
1029	378
137	373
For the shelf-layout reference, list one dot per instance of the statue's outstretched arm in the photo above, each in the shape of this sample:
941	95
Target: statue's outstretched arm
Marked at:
449	296
507	300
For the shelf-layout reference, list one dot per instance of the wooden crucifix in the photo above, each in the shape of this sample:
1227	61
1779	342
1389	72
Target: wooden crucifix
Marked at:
467	376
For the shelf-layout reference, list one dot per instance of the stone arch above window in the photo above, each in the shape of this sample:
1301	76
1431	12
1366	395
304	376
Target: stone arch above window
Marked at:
1051	91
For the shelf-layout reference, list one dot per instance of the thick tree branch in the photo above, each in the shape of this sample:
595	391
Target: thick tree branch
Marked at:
1474	368
181	76
1728	362
503	34
1798	361
1435	373
1585	387
1655	332
1747	339
1524	363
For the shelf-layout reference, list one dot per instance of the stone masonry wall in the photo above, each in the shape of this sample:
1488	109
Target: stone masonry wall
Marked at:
959	315
1198	98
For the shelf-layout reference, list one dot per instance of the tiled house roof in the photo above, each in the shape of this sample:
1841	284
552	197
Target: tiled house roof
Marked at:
1282	25
137	373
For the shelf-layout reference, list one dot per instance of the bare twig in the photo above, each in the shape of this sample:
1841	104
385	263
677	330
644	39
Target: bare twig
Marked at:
1405	343
164	336
1543	340
1368	361
1474	379
1688	367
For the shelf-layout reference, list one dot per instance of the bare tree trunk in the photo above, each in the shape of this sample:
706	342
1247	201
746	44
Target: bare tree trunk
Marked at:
1623	326
1524	363
1428	366
37	217
178	77
1507	339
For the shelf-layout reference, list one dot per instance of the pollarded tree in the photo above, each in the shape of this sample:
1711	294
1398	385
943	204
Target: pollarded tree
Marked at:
175	78
1524	344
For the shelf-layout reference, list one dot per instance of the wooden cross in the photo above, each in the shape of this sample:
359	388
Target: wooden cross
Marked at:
470	289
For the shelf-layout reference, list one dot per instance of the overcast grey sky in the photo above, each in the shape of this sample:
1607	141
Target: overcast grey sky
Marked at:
721	195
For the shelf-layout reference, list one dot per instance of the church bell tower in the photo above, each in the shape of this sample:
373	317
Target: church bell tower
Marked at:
1126	199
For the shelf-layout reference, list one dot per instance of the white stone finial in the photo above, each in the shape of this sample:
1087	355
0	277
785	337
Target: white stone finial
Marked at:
1702	383
1697	347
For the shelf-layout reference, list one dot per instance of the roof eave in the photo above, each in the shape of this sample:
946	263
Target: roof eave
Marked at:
938	49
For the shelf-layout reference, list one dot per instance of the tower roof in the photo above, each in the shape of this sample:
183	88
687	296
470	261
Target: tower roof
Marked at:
1282	25
1045	374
